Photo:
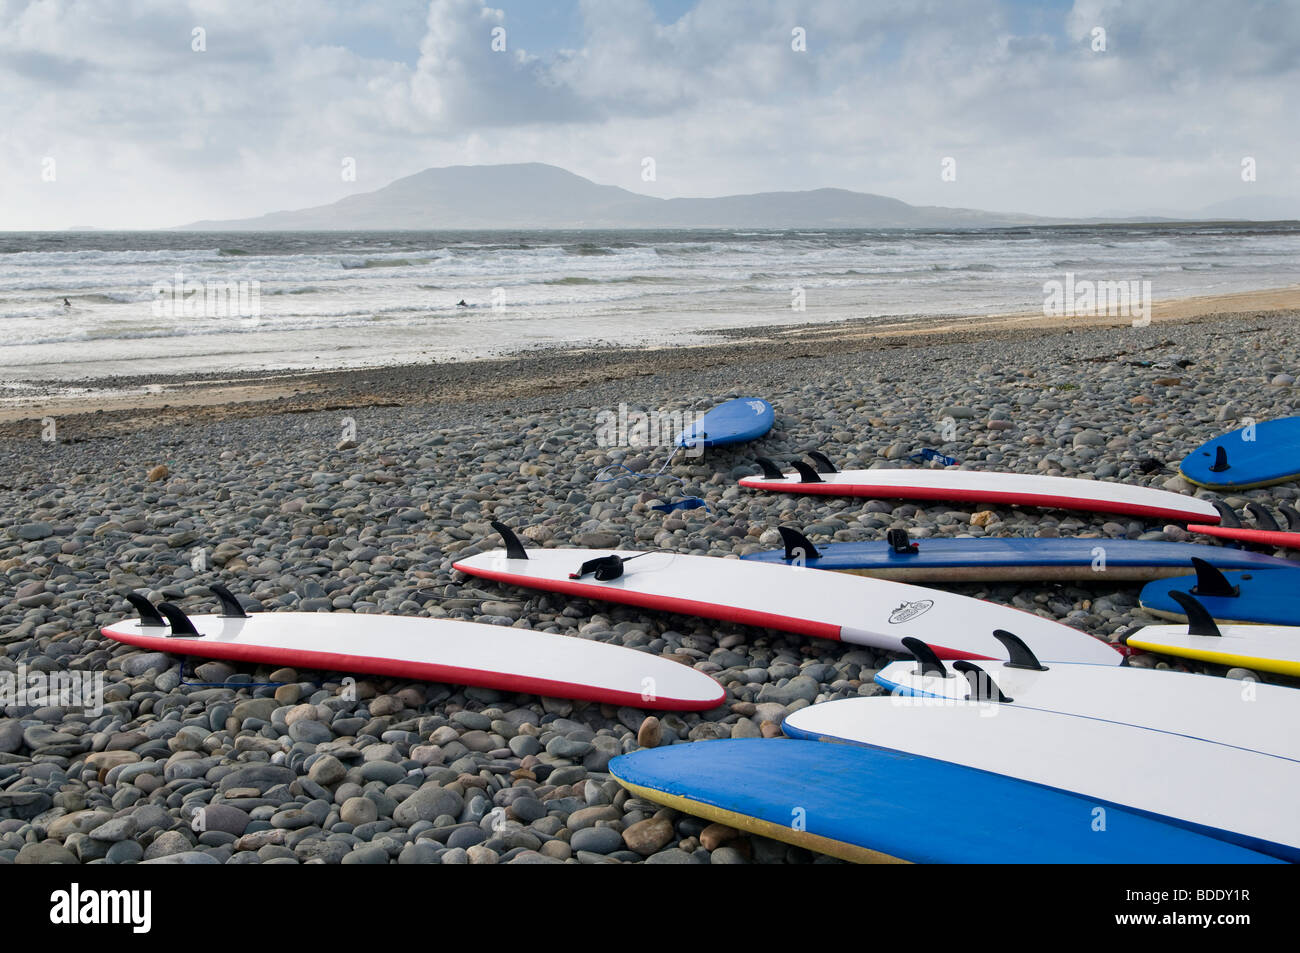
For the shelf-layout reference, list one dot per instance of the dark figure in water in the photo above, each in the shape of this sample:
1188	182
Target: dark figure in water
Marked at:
461	303
67	303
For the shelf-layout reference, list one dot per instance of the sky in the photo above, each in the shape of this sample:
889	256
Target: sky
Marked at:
153	113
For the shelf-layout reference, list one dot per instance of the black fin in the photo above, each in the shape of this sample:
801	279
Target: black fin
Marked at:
1211	582
1263	518
604	567
1290	515
181	625
1227	515
927	662
770	470
1220	460
149	617
797	544
900	542
806	473
514	548
823	462
1199	621
230	607
982	686
1021	656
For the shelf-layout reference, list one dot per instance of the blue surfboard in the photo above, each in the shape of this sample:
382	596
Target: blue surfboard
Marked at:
999	559
865	804
1257	455
735	421
1270	597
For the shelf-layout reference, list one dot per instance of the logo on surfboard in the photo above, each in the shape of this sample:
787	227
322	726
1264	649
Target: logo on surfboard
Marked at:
910	610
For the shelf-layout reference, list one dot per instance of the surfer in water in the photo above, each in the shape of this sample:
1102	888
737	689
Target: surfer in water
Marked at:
462	303
67	303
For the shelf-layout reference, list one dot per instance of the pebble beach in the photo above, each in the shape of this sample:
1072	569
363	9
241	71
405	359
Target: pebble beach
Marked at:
357	494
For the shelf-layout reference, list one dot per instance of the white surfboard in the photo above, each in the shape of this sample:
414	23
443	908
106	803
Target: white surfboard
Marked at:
1248	715
438	650
825	605
1232	793
977	486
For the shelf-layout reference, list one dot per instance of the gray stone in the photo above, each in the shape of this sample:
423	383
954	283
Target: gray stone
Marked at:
366	855
125	852
426	804
118	829
596	840
185	857
139	664
672	855
45	852
224	818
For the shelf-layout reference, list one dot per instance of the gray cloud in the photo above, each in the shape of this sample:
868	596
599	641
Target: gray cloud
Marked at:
147	132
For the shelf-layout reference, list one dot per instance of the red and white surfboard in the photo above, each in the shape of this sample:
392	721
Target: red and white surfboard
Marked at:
827	605
1011	489
1244	534
439	650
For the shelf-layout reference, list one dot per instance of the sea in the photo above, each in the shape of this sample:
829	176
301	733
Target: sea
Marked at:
81	305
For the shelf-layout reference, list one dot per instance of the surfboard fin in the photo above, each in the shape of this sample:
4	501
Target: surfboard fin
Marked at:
927	662
1263	518
230	607
1220	460
1021	656
806	473
822	461
605	568
770	470
1211	582
149	616
181	625
1290	515
900	542
514	548
982	686
1199	620
1227	515
797	545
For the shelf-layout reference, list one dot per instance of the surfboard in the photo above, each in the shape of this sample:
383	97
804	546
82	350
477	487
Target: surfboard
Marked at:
825	605
734	421
1249	715
1268	648
998	559
1267	597
977	486
437	650
865	805
1245	534
1234	794
1257	455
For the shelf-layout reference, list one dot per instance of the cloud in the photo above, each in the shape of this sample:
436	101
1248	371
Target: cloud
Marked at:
146	131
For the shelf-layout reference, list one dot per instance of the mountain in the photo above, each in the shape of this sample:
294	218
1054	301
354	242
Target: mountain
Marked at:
534	195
